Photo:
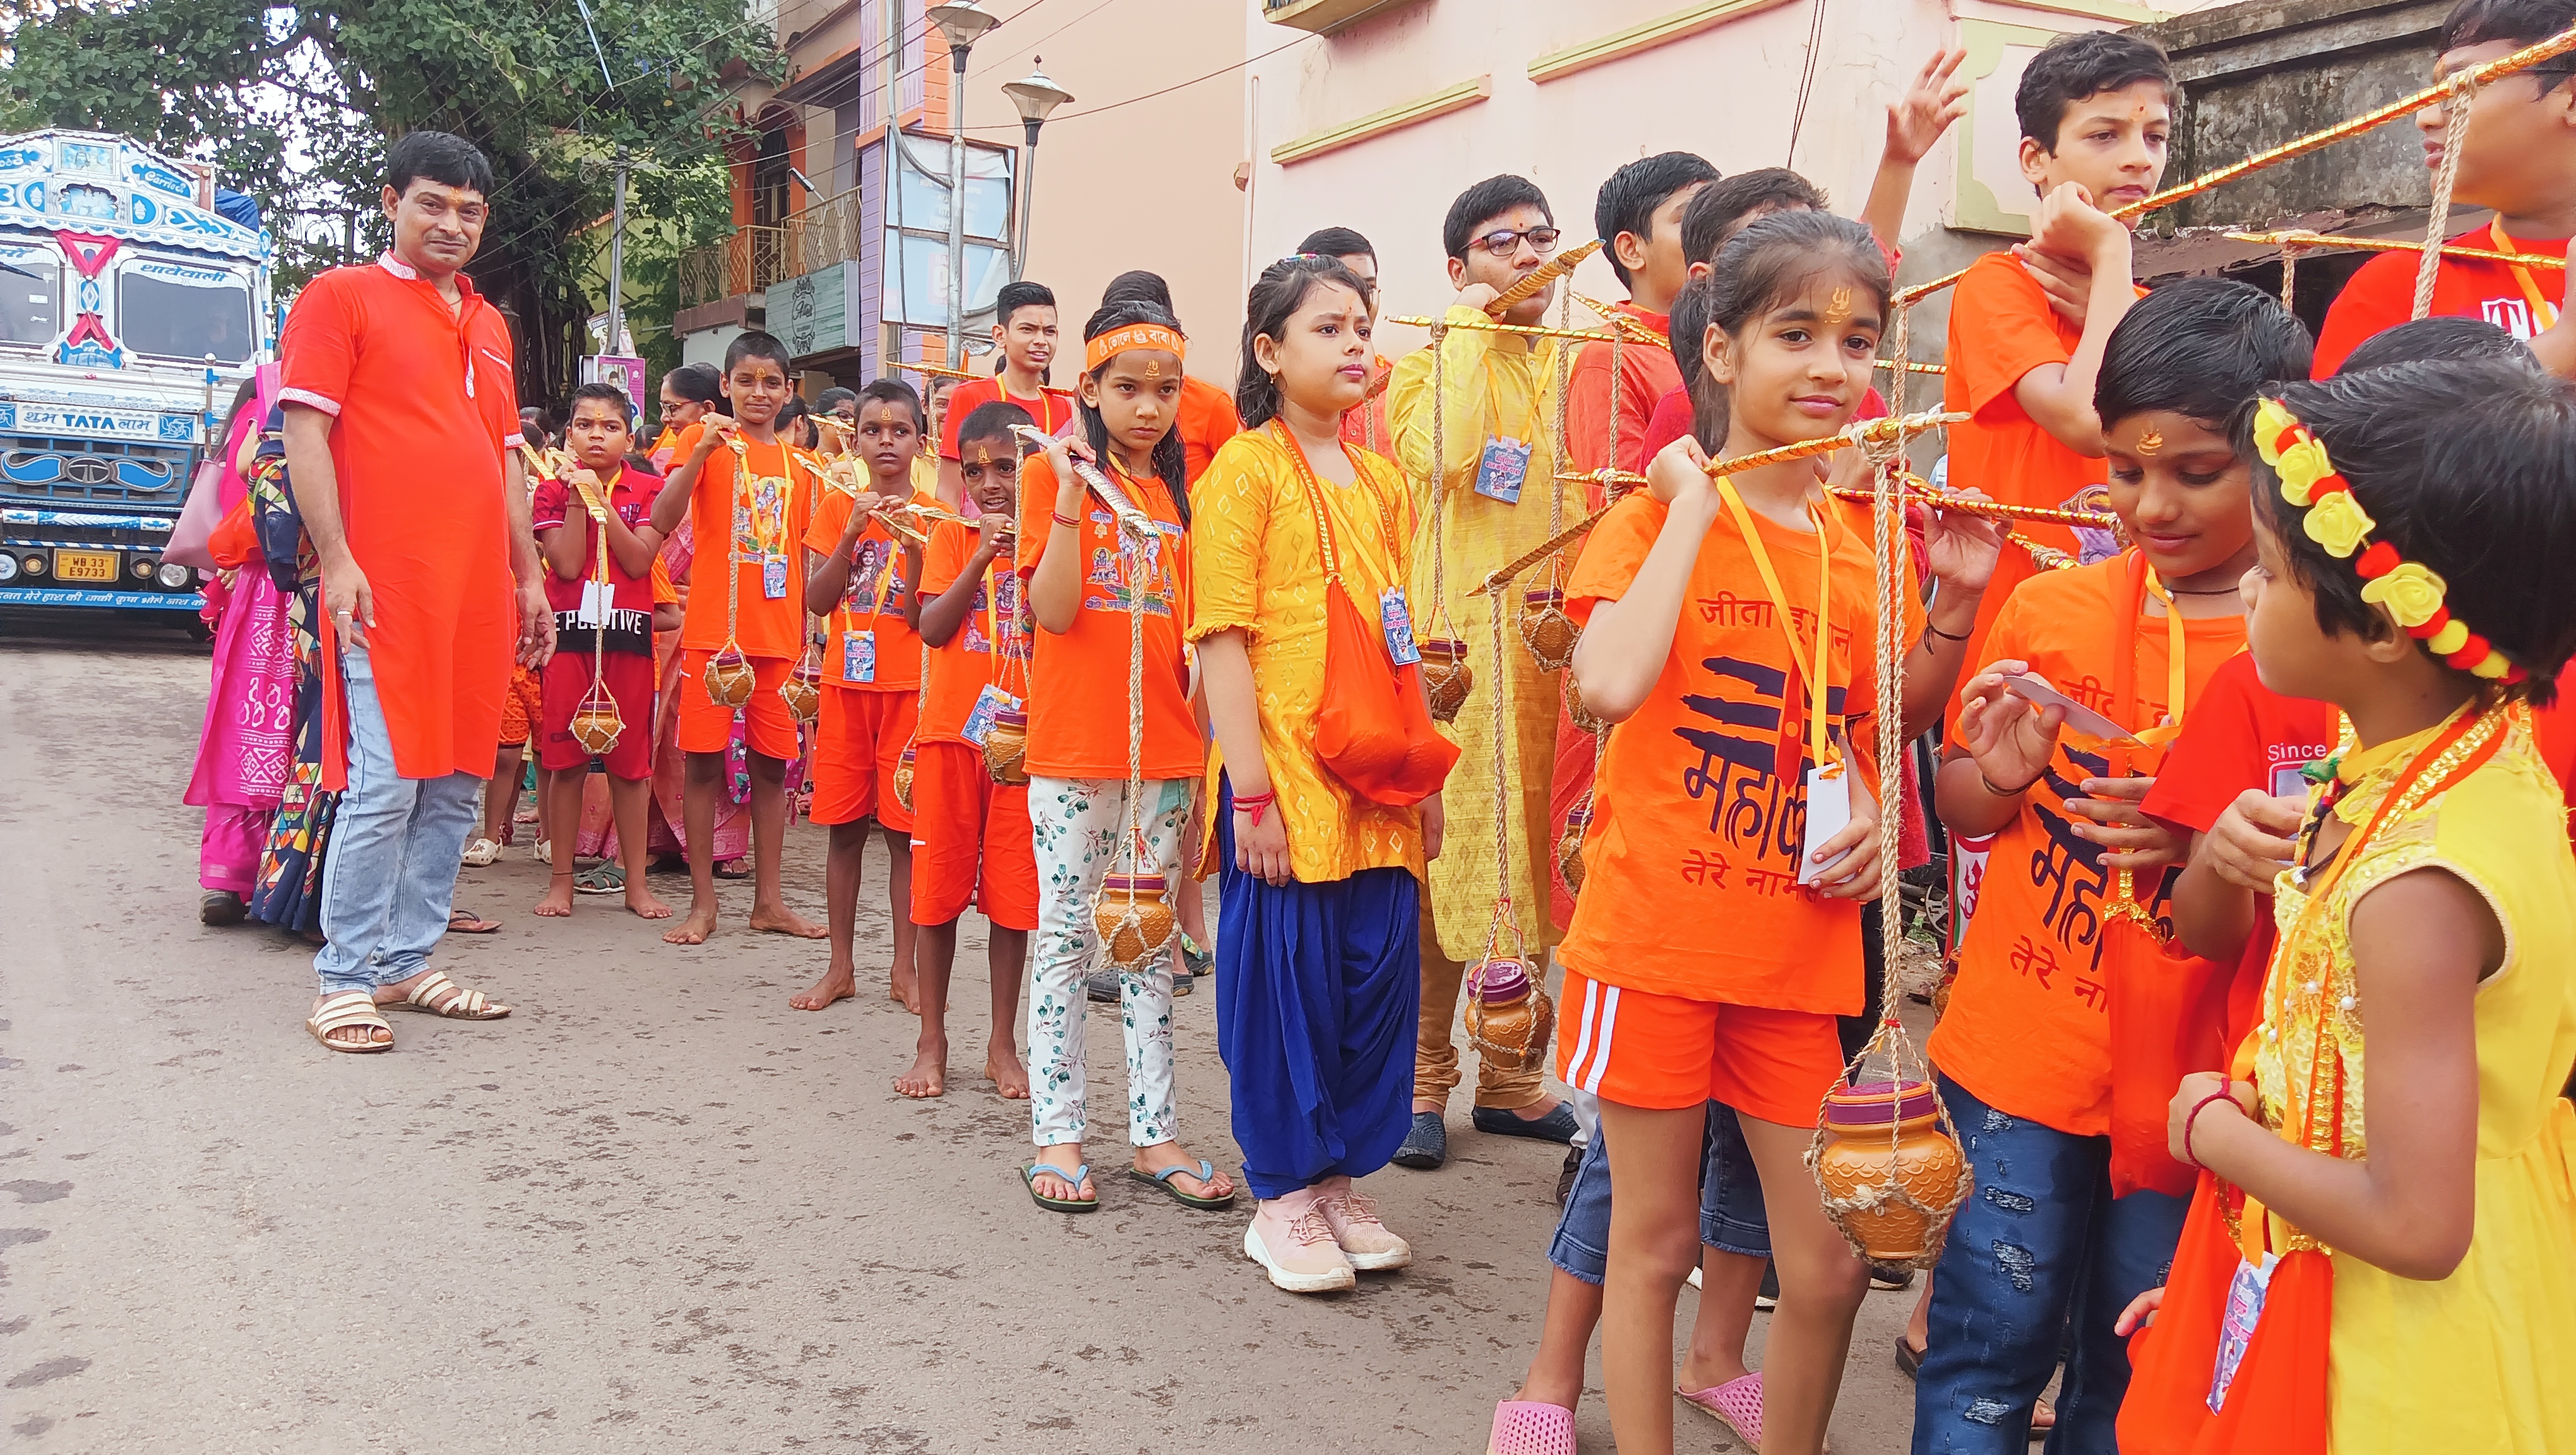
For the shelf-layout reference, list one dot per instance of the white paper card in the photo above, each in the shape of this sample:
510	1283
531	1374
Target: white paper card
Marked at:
595	602
1828	813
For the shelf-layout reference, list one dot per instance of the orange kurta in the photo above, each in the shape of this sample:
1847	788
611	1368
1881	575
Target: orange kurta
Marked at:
422	402
1207	421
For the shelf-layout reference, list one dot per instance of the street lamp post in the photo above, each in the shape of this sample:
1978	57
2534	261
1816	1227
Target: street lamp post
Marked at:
963	23
1035	95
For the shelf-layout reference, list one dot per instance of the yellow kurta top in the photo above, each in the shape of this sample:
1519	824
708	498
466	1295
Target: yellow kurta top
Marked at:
2479	1360
1257	566
925	477
1497	384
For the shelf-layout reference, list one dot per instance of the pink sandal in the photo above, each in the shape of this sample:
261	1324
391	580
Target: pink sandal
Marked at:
1532	1427
1737	1404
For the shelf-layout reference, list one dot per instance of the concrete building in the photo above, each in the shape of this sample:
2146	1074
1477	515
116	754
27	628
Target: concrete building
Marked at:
1136	171
1373	114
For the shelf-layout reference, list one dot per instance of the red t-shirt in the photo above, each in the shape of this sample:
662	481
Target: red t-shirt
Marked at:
1647	373
557	507
2240	735
1052	410
2381	295
422	404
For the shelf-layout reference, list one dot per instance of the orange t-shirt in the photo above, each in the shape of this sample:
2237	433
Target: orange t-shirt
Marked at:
1052	410
873	603
1692	826
1207	421
1077	708
2001	328
991	645
1592	399
1364	423
2381	295
422	405
763	519
2028	1028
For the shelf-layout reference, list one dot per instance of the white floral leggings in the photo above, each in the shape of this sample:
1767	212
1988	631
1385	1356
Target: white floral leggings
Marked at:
1077	823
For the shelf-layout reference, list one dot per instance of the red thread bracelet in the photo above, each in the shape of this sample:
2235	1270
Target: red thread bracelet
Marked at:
1253	804
1062	519
2191	1119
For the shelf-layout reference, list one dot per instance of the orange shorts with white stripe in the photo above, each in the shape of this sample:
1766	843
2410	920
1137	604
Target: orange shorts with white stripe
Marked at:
1663	1052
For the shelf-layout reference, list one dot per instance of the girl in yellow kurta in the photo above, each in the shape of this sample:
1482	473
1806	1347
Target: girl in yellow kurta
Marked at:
1491	427
1316	968
2382	1255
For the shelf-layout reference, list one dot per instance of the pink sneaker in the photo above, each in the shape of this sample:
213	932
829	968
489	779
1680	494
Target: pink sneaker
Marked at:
1737	1404
1290	1238
1363	1239
1531	1427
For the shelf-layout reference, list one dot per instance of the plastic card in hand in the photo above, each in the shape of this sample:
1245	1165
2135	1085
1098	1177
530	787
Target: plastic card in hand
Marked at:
1396	620
979	721
2035	690
1828	813
1502	469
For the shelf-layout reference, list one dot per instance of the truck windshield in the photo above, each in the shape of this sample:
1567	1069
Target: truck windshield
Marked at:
30	294
179	312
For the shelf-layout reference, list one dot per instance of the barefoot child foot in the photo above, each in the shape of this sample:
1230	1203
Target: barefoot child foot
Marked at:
701	922
558	901
1010	1079
929	1074
643	902
779	919
835	986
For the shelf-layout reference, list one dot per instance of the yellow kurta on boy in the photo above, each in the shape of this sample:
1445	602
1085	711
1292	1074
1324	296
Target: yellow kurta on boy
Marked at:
1498	386
1258	568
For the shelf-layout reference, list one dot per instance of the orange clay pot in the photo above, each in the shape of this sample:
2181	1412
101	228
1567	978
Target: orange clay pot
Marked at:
1550	633
730	679
1569	842
1891	1176
904	769
1006	748
803	689
1133	917
1446	679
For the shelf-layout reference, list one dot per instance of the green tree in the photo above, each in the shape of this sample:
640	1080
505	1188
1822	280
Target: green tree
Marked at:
295	106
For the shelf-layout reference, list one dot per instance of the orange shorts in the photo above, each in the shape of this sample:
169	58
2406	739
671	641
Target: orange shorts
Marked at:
768	726
522	707
970	839
1663	1052
857	744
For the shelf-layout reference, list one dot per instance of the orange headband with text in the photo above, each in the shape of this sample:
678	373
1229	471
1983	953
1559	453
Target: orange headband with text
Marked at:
1117	341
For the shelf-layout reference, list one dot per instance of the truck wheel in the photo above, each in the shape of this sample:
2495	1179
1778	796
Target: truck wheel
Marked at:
198	631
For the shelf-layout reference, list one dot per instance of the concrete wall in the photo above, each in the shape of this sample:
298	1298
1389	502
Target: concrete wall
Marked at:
1126	178
1728	90
2261	73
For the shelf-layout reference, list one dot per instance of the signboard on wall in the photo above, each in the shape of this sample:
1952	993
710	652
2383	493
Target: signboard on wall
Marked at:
811	311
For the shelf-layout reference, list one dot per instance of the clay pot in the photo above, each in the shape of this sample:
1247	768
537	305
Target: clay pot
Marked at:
1509	1019
1446	678
803	690
1569	842
730	679
1891	1175
1133	916
904	769
596	726
1550	633
1006	748
1577	714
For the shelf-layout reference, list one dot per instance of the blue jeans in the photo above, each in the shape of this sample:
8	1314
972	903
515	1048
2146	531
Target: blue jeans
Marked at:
1731	1219
2039	1264
390	877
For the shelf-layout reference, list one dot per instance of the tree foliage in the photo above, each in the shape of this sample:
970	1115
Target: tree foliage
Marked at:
295	105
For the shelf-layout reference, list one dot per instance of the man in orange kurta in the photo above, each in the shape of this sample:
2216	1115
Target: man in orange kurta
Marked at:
401	422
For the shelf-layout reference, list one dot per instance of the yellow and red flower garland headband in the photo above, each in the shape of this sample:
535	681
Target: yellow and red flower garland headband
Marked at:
2410	593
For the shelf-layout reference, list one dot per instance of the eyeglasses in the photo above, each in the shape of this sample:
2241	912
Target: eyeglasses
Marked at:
1503	244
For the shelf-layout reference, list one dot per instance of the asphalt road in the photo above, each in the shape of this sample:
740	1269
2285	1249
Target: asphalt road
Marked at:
655	1210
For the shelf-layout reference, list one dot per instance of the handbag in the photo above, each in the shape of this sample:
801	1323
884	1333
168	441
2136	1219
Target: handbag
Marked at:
1373	730
198	519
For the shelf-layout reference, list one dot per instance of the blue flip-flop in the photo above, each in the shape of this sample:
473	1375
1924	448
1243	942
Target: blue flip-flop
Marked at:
1205	1172
1077	1177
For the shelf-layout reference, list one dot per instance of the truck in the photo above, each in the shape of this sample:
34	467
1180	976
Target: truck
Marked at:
133	302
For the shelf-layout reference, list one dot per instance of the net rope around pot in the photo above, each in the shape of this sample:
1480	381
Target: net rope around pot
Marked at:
729	678
1526	1050
596	722
1892	1196
1447	679
1006	759
1139	924
1545	629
